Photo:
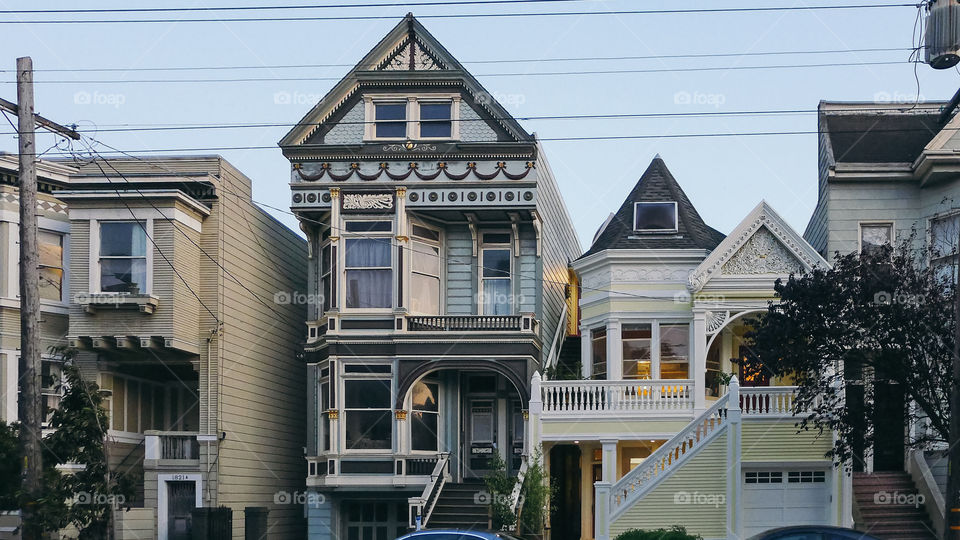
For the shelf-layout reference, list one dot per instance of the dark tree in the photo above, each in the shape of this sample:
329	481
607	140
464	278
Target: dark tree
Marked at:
876	321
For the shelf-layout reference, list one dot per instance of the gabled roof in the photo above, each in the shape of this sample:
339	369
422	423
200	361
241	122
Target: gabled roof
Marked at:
407	52
789	253
656	184
868	132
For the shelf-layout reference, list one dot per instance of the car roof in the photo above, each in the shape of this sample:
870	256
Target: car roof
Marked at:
485	535
850	533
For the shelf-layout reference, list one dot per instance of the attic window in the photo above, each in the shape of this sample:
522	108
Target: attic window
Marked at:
391	120
412	117
655	216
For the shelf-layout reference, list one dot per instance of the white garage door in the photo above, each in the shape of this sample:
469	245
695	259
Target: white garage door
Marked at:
779	498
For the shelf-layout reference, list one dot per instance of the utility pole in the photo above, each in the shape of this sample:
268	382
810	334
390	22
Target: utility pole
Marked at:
29	301
952	525
29	402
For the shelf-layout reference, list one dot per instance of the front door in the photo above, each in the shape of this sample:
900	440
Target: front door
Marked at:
565	479
481	436
181	500
888	427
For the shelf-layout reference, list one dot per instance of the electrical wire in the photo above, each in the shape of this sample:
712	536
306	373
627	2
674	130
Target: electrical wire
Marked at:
465	15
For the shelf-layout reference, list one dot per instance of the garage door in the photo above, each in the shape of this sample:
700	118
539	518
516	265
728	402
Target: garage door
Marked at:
778	498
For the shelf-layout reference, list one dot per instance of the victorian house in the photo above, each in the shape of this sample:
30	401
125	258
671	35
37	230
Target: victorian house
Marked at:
659	427
146	271
438	272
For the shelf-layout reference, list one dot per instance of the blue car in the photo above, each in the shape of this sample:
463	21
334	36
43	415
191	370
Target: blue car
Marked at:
812	532
456	534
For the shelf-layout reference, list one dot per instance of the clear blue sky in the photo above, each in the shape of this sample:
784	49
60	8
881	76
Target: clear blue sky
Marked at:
724	176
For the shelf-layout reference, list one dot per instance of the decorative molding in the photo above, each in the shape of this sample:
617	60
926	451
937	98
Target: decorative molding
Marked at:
762	253
333	414
762	216
367	201
401	414
716	321
413	168
409	147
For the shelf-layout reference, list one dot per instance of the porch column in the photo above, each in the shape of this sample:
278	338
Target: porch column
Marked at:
586	357
699	365
614	351
609	460
531	443
601	525
734	446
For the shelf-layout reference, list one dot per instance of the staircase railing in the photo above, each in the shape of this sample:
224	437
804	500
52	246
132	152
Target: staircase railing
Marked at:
516	501
665	459
420	508
554	353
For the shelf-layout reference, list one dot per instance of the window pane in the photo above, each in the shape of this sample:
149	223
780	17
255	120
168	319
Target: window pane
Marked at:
496	263
655	216
497	299
369	288
369	226
496	238
436	129
424	232
435	111
424	294
636	341
369	429
425	397
367	394
391	111
674	351
423	431
51	282
123	275
598	349
368	252
874	236
391	120
426	259
122	239
944	234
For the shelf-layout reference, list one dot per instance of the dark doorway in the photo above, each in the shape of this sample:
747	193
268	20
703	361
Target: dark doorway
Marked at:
565	477
181	500
888	427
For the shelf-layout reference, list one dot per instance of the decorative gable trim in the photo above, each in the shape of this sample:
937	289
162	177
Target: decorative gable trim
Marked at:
763	216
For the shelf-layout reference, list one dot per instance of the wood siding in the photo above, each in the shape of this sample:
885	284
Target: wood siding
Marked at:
778	440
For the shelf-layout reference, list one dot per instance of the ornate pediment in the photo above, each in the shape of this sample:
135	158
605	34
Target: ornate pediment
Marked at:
762	253
410	55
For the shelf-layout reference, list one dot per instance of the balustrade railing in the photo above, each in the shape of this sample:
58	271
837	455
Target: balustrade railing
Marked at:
464	323
422	507
616	396
768	400
171	445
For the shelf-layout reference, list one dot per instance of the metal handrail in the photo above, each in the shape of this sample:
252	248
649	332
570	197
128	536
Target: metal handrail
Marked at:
424	504
516	501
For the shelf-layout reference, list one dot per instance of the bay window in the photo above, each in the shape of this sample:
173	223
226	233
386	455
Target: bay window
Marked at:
368	269
425	271
637	340
496	285
50	247
425	417
674	351
368	416
123	257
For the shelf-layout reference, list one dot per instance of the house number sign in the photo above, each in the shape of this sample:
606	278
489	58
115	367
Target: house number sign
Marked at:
367	202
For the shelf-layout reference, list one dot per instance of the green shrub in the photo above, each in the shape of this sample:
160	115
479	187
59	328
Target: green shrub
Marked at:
673	533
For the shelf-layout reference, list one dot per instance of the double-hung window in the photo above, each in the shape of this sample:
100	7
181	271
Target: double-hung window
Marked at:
873	236
368	265
656	350
393	117
598	353
50	245
674	351
637	352
391	120
326	266
436	120
425	271
123	257
496	285
368	421
424	422
944	238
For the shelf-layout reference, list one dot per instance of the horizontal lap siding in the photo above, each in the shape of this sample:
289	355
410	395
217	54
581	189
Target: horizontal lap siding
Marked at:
461	280
705	474
527	273
779	441
850	204
261	380
136	524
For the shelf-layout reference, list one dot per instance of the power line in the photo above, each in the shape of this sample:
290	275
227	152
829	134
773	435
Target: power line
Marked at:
488	61
623	116
468	15
498	74
277	8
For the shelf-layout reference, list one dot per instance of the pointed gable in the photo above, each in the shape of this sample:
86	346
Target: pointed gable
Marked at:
656	184
763	246
407	59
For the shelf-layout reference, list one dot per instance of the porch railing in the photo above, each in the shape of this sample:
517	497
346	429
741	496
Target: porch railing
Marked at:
171	445
422	507
464	323
616	397
768	400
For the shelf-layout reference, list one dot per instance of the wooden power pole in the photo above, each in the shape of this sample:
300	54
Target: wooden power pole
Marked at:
31	408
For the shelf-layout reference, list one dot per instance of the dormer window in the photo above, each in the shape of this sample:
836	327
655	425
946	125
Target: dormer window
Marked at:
655	216
412	117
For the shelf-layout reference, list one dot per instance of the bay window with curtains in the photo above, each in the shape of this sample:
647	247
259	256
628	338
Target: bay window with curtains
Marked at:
368	265
123	257
496	285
